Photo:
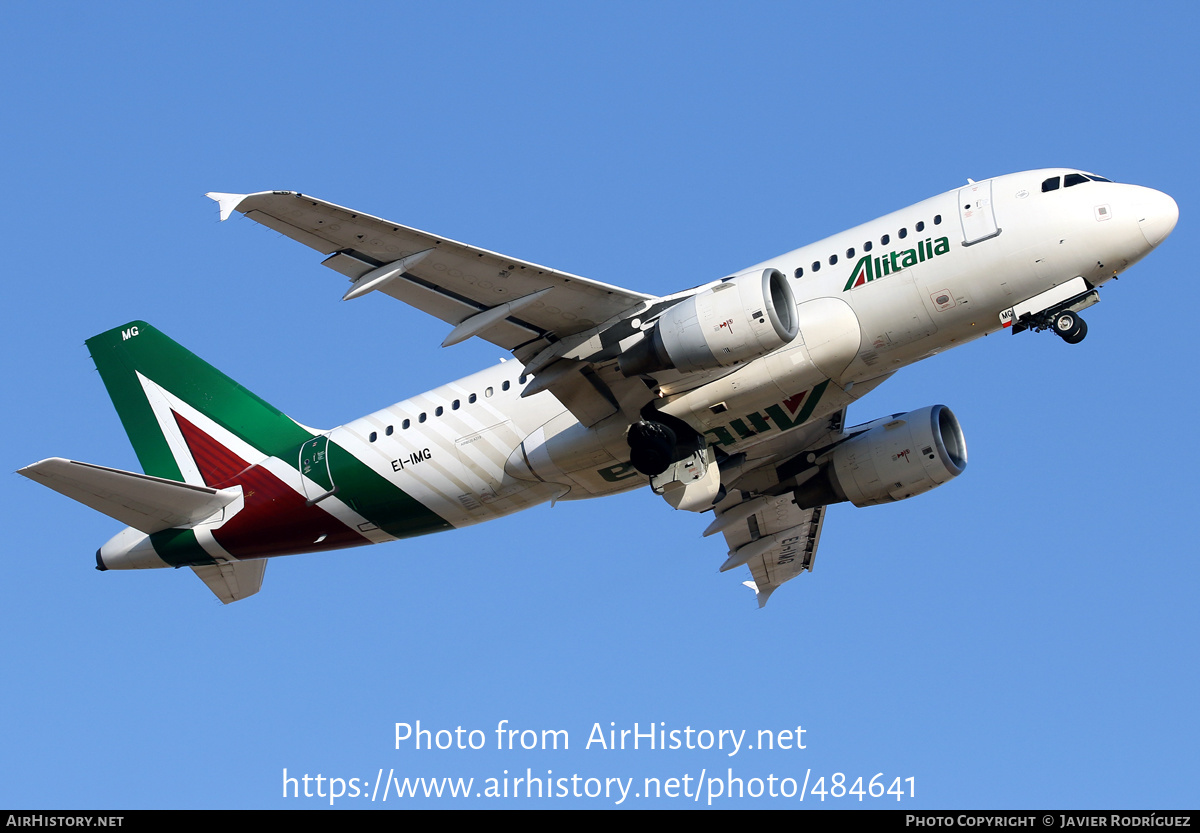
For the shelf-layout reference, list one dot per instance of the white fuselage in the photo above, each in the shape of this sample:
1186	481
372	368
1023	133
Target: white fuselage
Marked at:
941	272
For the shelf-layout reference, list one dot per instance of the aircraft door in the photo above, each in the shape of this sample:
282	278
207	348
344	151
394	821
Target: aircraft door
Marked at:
976	212
314	465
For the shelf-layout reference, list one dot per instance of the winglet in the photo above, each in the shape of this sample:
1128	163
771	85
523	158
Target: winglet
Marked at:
227	202
762	597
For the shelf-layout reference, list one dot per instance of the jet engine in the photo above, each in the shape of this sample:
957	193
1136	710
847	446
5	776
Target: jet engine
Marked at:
739	319
886	460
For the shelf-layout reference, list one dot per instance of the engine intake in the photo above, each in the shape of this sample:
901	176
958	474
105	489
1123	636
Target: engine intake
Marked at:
739	319
890	459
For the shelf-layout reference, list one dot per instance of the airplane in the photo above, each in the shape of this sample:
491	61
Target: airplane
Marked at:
727	398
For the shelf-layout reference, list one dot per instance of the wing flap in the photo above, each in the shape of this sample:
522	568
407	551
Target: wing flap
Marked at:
456	309
792	554
345	262
774	537
575	385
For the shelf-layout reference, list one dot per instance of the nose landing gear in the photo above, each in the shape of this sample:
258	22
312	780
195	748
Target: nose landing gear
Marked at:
1055	309
1069	327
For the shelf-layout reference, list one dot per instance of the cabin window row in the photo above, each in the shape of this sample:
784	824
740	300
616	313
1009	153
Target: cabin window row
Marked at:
869	245
440	409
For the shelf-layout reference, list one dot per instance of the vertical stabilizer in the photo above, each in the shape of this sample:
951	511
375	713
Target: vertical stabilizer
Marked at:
158	387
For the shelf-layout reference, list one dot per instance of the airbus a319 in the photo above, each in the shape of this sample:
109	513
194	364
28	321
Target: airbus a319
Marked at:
729	398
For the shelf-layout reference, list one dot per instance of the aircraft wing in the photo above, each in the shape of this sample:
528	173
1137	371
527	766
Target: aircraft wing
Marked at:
504	300
778	541
762	525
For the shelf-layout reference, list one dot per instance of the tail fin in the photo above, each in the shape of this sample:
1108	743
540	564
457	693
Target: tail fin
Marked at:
174	405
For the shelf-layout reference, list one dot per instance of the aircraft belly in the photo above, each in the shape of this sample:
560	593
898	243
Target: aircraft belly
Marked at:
578	459
489	489
783	378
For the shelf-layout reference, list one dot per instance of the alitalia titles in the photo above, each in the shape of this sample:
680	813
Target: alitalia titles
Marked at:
871	268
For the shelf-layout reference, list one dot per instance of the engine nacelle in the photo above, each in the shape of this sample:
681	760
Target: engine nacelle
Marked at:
892	459
737	320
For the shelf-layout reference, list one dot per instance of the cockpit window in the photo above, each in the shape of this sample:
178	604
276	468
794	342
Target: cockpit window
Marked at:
1095	178
1050	184
1074	179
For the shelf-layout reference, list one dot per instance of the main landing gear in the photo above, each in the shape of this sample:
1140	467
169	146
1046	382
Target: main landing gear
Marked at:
680	465
1069	327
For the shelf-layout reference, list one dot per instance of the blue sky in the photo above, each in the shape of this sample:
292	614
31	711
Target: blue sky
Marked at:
1025	636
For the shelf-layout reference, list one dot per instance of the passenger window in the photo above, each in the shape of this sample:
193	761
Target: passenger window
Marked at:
487	392
1050	184
816	267
903	233
1073	179
421	418
388	431
800	272
867	246
937	219
471	399
883	241
438	412
850	253
920	226
833	260
522	379
454	405
405	424
374	436
506	385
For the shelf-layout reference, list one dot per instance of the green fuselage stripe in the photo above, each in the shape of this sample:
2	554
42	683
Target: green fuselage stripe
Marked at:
378	499
179	548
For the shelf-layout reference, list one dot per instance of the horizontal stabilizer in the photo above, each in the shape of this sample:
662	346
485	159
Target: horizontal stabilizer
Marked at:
233	580
149	504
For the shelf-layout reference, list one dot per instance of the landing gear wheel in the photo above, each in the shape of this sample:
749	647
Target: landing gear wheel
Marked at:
651	447
1070	327
1079	333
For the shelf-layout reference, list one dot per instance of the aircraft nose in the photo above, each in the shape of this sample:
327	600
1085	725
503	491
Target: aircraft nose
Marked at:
1157	214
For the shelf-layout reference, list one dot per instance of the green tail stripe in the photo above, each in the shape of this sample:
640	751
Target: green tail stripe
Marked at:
139	347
